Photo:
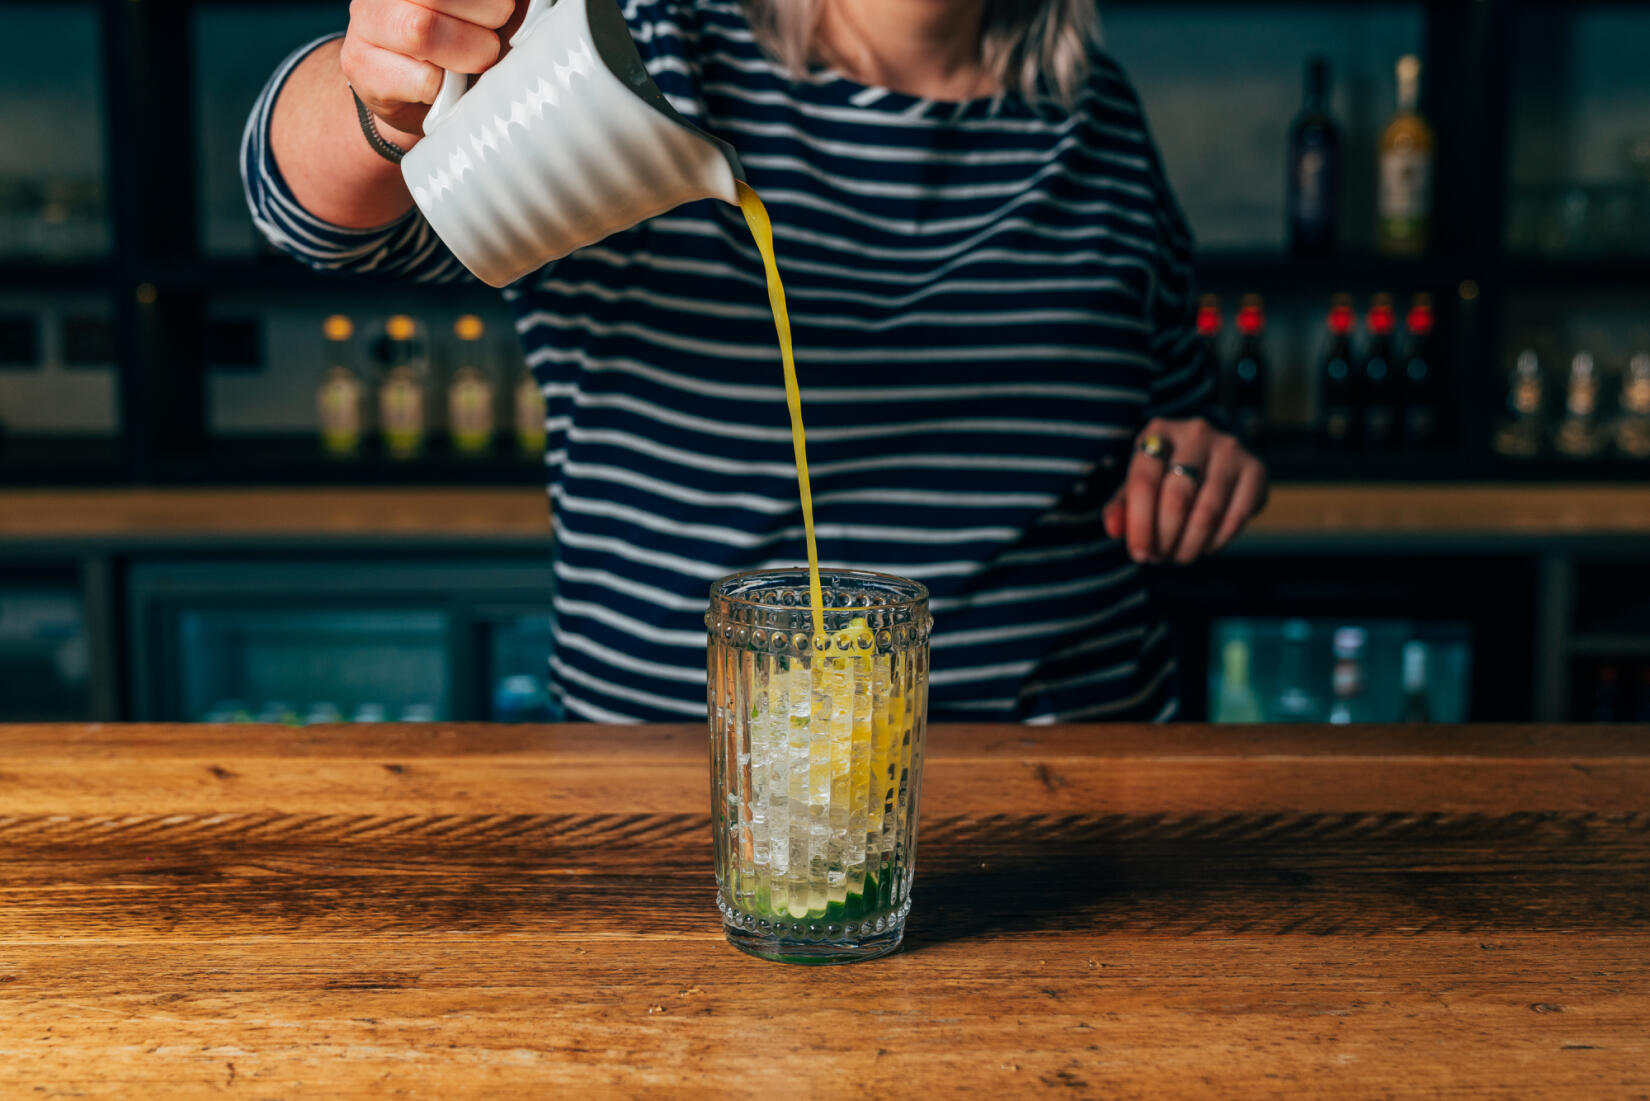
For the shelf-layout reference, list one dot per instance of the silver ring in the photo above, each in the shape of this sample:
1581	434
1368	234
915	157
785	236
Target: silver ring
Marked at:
1187	470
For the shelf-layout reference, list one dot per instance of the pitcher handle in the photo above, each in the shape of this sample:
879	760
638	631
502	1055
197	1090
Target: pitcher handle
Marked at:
454	85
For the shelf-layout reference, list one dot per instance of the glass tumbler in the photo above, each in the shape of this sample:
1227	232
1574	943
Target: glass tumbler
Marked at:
816	760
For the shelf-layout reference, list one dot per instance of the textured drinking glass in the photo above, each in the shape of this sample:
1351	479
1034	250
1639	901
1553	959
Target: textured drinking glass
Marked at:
816	760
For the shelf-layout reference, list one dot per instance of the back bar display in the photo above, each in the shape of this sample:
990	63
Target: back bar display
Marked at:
1339	671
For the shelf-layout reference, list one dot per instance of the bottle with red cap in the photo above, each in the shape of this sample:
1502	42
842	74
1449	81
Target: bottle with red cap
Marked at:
1209	330
1377	381
1337	385
1246	381
1418	381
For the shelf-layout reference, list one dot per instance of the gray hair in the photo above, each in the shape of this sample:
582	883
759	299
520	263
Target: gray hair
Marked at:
1039	48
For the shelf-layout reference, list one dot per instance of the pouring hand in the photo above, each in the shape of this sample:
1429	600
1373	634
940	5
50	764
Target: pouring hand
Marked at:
395	50
1192	500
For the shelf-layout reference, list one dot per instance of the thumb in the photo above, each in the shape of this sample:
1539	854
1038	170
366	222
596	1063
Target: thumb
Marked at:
1111	516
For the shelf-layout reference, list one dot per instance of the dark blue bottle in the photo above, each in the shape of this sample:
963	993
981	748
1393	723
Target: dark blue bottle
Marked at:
1314	168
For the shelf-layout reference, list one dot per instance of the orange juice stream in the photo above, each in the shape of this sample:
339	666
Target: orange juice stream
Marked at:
756	216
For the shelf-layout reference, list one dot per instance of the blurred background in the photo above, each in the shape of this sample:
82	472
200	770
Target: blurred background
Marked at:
1425	252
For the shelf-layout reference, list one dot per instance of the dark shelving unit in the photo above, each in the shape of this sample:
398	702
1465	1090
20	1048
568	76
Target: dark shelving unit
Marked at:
161	286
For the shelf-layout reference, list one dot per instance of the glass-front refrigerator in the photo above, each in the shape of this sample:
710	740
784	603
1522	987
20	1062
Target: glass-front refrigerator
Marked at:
338	641
1271	669
1346	638
516	646
45	657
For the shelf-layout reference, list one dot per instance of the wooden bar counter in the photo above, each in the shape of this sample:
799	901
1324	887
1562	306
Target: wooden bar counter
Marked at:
471	911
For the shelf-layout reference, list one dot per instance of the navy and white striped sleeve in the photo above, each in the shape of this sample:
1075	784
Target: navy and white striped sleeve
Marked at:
1183	384
408	248
405	249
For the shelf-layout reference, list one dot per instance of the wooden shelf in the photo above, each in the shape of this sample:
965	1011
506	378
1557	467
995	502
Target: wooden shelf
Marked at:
1412	512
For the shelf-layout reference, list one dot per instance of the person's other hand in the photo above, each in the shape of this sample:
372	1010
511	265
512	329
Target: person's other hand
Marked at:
1190	500
395	50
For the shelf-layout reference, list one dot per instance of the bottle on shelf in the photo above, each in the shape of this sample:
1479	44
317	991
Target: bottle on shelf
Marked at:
1418	378
1210	326
471	396
403	398
1236	703
1579	435
528	402
1295	702
1347	681
340	397
1520	436
1404	188
1314	168
1416	708
1337	385
1377	377
1246	382
1633	424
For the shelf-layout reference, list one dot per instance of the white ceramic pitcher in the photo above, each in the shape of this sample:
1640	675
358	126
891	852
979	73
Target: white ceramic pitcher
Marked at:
563	142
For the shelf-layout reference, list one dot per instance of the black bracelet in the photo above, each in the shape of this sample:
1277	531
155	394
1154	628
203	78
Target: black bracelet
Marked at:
369	127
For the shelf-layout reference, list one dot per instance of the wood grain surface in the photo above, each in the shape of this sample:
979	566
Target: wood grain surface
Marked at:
472	911
1390	511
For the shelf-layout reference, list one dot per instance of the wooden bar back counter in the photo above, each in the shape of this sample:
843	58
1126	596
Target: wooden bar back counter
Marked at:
448	911
1557	552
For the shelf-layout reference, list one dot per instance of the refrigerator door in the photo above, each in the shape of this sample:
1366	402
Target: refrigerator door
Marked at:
45	666
328	640
1336	636
313	665
1346	670
517	650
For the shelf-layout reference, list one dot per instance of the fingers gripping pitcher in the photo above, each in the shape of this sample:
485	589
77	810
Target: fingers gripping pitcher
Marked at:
565	141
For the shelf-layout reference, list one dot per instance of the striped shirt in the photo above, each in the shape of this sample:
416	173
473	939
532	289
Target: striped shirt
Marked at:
989	299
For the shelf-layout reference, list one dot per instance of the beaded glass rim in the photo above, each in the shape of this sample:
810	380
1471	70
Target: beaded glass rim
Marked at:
796	577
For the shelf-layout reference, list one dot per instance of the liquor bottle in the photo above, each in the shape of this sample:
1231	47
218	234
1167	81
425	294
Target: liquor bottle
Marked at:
1236	703
1314	168
1377	381
470	395
403	402
1347	681
1579	435
529	415
1521	435
1418	380
1404	204
1209	326
1416	709
1633	426
1247	381
1337	386
340	398
1295	702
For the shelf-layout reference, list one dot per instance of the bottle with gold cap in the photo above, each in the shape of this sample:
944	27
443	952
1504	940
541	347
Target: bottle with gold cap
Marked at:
403	400
340	395
471	393
529	415
1633	426
1520	436
1579	434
